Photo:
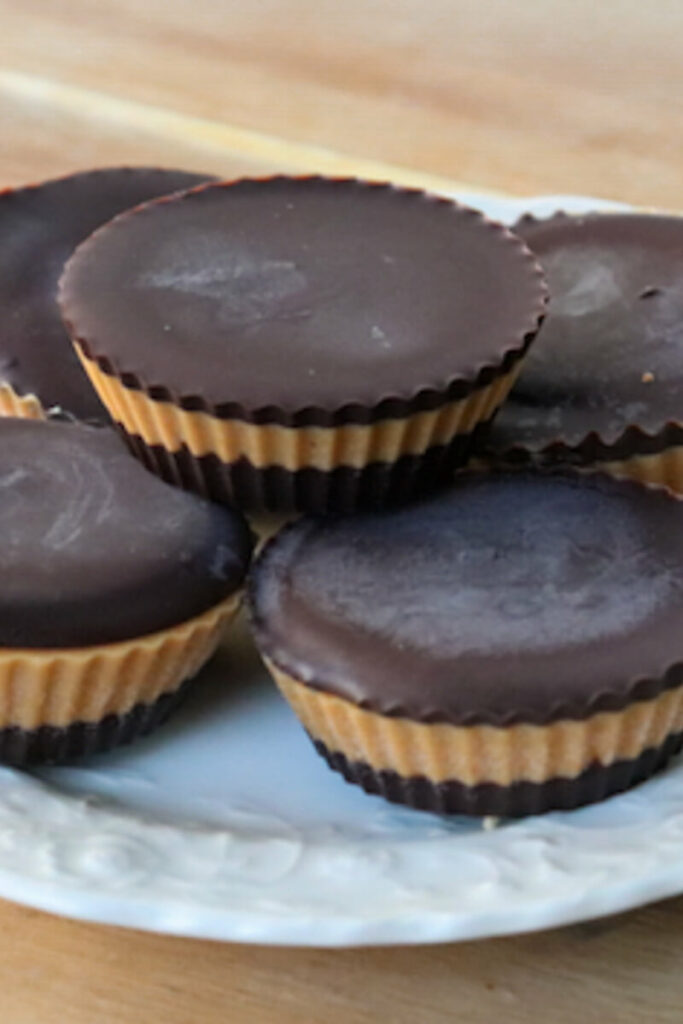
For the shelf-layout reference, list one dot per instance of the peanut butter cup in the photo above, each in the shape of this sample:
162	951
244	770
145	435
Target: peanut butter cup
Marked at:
603	386
40	226
115	589
303	344
510	646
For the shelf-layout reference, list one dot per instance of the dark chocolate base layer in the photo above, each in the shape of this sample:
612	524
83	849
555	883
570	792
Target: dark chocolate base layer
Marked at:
515	801
60	745
339	491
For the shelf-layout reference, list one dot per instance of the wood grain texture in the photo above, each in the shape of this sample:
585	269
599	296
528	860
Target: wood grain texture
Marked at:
624	970
42	141
521	96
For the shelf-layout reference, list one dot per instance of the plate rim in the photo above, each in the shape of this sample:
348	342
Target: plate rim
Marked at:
89	855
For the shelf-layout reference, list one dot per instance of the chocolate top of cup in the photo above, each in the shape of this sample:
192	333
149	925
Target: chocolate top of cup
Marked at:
262	299
95	549
40	226
514	597
609	357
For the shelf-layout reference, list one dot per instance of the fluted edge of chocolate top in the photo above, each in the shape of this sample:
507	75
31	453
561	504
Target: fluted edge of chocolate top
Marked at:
417	396
520	707
594	446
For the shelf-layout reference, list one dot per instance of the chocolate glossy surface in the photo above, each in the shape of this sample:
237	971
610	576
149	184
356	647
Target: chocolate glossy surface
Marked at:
609	355
95	549
40	226
301	294
513	597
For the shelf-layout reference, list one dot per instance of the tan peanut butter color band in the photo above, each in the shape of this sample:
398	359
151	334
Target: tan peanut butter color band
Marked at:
59	687
483	753
660	469
25	407
663	469
292	448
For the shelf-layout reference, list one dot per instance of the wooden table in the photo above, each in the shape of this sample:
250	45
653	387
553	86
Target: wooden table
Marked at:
520	97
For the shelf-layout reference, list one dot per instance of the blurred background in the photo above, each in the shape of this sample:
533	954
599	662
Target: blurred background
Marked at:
516	96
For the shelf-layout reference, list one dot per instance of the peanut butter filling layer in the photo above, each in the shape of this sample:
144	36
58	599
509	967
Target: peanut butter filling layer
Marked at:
25	407
478	754
663	469
54	687
293	448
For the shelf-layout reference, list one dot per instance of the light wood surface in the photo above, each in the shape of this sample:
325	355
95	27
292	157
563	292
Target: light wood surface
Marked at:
520	97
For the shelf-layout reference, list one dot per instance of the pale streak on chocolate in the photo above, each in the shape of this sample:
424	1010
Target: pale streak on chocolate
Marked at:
95	549
303	302
40	226
515	598
604	380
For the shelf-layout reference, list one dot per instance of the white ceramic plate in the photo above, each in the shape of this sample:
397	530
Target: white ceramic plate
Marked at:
227	825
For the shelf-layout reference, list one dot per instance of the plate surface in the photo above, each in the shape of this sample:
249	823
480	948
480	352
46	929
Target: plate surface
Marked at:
227	825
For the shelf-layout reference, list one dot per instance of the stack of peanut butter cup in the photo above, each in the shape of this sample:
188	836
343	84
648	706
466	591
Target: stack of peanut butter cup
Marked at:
476	601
